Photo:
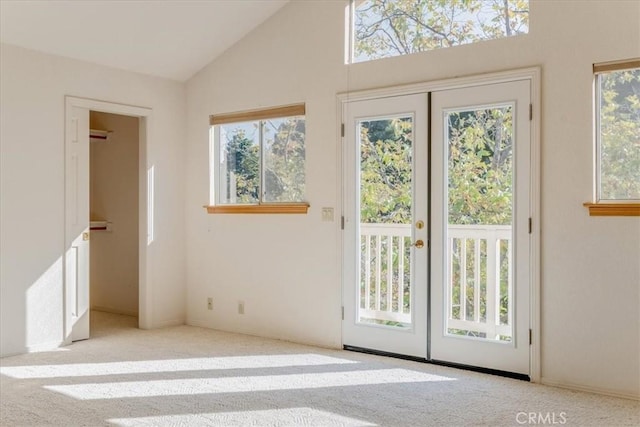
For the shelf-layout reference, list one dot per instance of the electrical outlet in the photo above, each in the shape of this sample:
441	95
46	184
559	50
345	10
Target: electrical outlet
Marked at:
209	303
240	307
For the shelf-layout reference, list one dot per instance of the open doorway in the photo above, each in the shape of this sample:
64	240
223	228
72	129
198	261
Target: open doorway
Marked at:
114	225
123	206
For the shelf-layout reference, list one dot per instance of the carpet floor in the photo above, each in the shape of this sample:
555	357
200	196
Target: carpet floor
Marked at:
190	376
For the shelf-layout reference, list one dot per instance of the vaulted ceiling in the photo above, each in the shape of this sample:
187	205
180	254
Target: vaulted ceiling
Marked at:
166	38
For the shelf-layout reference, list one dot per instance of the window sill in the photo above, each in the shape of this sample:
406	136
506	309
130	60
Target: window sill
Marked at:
613	209
265	208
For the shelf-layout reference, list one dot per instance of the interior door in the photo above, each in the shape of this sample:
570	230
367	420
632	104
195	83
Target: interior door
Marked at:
77	223
480	204
385	207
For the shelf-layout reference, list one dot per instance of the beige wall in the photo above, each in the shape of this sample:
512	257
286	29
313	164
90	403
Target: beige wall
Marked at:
286	268
33	87
114	198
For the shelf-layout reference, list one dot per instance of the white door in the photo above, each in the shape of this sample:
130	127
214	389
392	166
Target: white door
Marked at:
385	233
77	223
480	205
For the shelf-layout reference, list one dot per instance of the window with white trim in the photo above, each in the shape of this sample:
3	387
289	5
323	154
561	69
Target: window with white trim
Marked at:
617	105
258	159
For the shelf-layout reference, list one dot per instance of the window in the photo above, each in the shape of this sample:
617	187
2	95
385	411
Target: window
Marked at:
385	28
258	161
617	118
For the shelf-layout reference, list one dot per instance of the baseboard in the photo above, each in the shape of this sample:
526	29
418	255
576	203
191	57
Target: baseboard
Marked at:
114	310
48	346
167	323
588	389
204	324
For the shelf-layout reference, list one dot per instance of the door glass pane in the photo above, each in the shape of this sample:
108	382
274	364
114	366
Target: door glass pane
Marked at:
480	172
385	185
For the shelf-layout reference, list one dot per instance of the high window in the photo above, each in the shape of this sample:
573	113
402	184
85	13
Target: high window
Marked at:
258	161
385	28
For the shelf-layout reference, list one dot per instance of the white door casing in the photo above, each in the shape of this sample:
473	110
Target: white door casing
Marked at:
77	211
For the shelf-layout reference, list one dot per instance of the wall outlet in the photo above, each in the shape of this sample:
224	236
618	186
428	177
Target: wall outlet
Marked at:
240	307
209	303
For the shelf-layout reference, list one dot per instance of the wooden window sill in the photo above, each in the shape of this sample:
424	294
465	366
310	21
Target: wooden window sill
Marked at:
265	208
613	209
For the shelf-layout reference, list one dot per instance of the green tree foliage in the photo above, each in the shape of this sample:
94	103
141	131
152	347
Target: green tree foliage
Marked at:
620	135
242	175
284	160
386	28
279	170
480	167
386	171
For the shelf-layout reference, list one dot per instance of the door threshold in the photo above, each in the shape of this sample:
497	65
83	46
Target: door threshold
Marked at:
496	372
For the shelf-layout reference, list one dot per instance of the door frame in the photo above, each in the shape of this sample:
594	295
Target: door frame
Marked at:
533	75
145	205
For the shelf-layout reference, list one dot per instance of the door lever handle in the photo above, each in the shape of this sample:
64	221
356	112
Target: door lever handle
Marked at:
418	244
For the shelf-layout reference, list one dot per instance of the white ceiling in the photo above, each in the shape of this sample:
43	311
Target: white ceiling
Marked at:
166	38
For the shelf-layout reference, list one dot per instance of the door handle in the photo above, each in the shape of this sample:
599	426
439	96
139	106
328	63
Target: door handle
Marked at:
418	244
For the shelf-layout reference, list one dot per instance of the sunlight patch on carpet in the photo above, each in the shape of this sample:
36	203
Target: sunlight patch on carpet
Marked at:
182	387
280	417
169	365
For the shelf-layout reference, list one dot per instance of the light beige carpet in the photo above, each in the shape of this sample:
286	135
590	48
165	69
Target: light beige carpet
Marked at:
189	376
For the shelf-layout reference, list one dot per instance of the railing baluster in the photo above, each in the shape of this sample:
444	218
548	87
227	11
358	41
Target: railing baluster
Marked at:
509	283
400	274
492	280
389	273
378	270
367	287
463	279
476	280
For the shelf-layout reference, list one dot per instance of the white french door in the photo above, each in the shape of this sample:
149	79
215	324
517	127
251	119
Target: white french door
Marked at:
480	207
436	233
385	269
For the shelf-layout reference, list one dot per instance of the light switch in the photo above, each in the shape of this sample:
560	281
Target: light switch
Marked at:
327	214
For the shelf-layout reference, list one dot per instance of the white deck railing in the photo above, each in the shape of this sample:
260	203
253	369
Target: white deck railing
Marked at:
475	256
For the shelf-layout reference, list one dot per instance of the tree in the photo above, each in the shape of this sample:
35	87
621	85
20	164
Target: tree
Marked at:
386	28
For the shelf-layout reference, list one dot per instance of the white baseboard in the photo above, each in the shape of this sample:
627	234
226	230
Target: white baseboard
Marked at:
48	346
589	389
114	310
167	323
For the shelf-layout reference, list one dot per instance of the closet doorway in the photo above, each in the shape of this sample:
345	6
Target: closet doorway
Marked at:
113	207
109	212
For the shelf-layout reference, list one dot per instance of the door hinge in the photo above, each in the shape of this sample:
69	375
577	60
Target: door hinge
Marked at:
530	225
342	129
530	112
342	222
530	337
343	312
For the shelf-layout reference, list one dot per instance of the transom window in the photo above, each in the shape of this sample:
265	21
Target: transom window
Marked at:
385	28
258	158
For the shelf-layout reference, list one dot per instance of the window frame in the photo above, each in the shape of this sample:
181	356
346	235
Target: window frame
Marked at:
601	206
351	39
259	115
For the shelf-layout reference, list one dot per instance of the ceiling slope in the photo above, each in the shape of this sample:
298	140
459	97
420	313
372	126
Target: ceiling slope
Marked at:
166	38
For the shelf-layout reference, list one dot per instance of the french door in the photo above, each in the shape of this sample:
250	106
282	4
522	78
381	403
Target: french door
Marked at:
385	292
436	236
